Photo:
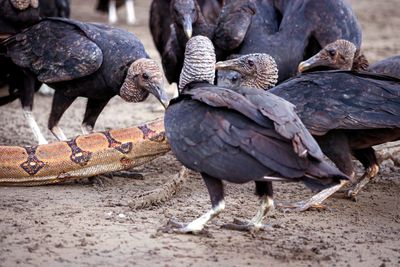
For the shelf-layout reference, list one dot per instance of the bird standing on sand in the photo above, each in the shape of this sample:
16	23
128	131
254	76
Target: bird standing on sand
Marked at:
239	136
347	112
83	59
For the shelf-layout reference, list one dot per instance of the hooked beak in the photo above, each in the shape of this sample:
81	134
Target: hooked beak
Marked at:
310	63
231	64
160	93
187	26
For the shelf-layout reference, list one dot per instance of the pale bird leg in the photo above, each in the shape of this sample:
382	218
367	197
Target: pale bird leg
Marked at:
256	223
86	129
112	12
314	201
58	133
46	90
34	127
369	174
198	224
130	11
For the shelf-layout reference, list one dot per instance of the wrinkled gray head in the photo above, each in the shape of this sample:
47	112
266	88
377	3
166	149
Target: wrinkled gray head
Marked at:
184	14
257	70
144	76
338	55
24	4
199	62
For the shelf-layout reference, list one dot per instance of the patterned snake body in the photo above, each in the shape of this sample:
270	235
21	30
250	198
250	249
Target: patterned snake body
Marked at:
83	156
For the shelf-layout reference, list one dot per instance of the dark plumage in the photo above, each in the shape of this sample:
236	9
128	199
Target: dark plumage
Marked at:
388	66
304	27
347	112
83	59
171	30
239	136
54	8
17	15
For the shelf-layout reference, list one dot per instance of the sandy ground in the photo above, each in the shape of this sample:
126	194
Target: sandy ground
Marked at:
87	225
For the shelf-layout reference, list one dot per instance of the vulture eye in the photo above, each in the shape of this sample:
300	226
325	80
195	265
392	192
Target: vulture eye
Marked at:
332	52
250	62
145	76
234	78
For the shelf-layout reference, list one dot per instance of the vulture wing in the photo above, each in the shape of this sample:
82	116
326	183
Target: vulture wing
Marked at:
55	51
343	100
263	108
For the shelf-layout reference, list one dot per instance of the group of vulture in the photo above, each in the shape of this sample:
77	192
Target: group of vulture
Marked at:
269	90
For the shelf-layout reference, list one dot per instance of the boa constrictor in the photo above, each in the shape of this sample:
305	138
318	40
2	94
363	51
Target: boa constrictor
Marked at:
83	156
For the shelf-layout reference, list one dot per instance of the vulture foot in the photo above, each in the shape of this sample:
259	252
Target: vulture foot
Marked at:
250	226
369	174
315	201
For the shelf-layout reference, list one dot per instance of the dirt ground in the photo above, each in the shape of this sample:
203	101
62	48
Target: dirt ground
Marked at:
87	225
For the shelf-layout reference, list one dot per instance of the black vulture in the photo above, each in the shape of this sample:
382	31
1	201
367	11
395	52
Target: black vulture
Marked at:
338	55
110	7
54	8
83	59
304	27
239	136
171	30
347	112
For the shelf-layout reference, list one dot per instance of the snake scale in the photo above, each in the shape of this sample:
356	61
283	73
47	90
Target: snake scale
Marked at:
83	156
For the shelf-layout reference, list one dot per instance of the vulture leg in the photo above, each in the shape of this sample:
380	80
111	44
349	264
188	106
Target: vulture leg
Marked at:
112	12
368	159
27	105
130	12
336	147
60	104
316	200
216	191
93	109
265	192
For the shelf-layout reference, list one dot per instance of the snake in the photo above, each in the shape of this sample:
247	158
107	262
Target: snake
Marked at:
83	156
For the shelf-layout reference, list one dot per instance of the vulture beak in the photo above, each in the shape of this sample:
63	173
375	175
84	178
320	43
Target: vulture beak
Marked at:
160	93
231	64
187	26
310	63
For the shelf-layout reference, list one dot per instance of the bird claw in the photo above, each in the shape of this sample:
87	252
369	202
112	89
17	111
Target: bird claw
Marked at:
180	228
239	225
300	206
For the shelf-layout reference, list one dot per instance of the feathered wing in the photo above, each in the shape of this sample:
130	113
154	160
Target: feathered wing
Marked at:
217	141
388	66
343	100
55	51
263	107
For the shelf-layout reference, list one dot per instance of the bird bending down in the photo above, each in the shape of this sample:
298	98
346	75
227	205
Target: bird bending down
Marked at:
347	112
83	59
239	136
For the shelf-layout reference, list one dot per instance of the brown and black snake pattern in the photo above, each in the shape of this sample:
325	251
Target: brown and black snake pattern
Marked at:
83	156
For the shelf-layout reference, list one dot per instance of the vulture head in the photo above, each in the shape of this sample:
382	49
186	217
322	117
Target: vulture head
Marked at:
199	61
184	13
257	70
144	76
339	55
24	4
